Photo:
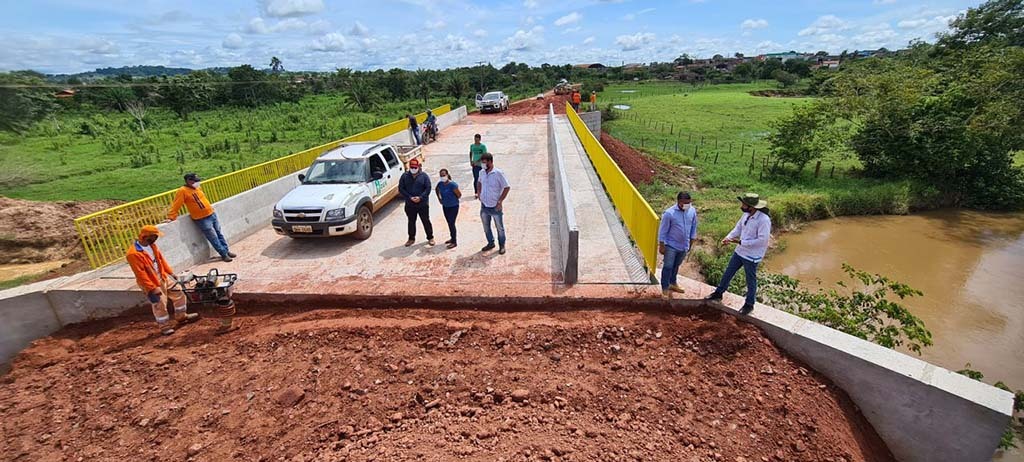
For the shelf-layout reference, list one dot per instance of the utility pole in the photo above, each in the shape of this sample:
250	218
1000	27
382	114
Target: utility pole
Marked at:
481	64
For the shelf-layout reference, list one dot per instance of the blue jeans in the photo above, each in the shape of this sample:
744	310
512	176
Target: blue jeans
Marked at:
486	214
416	134
476	179
670	268
211	229
749	268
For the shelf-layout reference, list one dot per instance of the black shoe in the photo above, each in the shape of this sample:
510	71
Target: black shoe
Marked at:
225	258
487	247
714	297
746	309
449	241
501	250
232	254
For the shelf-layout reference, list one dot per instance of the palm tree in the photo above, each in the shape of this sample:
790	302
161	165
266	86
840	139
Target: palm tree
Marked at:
456	86
359	93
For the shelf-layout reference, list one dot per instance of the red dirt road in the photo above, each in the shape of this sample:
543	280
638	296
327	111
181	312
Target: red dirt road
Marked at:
535	106
396	385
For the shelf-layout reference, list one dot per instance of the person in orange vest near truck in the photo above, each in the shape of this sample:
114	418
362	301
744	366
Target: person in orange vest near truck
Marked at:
156	279
593	100
576	98
202	214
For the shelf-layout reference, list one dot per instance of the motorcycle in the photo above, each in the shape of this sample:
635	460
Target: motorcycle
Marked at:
428	133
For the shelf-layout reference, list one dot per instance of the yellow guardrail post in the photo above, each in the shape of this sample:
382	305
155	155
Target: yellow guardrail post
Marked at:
637	215
106	234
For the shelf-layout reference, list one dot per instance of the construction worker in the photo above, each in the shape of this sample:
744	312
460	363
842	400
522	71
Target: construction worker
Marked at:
576	100
156	279
751	235
593	100
202	214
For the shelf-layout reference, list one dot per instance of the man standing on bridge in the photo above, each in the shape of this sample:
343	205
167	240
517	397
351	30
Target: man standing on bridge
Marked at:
476	150
752	234
155	277
575	100
675	236
414	127
202	214
414	187
593	100
493	190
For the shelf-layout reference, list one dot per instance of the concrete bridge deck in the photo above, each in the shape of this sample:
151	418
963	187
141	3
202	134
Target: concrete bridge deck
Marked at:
382	265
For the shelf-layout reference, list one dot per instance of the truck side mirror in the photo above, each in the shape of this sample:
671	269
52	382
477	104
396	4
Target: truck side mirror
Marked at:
302	177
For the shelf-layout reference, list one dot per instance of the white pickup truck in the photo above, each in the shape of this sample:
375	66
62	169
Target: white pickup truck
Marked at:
342	189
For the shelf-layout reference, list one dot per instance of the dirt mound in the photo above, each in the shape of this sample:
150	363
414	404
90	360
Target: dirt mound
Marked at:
361	385
535	106
33	232
641	168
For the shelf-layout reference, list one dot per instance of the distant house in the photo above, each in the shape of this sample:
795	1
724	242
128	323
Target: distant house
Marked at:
826	64
785	56
65	93
632	67
590	66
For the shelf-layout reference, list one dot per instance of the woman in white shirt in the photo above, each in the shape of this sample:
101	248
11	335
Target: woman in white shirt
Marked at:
751	234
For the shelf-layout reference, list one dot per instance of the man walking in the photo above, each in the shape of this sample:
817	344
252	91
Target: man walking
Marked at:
493	190
476	150
593	100
677	232
414	187
156	279
202	214
414	127
751	235
576	100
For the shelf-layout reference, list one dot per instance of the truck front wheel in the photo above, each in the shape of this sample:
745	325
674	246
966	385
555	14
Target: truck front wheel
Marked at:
364	223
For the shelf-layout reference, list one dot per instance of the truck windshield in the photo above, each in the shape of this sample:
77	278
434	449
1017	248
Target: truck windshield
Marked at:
491	97
337	171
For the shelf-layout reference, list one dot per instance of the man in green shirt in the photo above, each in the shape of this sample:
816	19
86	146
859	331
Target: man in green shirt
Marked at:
476	150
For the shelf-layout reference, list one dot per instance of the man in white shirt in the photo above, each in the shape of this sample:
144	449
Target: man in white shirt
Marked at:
493	190
751	235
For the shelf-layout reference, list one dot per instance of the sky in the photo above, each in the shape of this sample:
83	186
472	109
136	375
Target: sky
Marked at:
69	36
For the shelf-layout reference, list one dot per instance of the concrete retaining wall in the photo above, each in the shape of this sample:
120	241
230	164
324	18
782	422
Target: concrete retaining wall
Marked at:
923	412
593	122
37	310
568	242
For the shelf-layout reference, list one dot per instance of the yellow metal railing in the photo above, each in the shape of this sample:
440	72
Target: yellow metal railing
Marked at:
106	234
636	213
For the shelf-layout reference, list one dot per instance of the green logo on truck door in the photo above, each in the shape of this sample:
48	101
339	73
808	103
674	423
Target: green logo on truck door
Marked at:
378	185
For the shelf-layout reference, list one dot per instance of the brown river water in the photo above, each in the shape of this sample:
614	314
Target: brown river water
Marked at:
970	266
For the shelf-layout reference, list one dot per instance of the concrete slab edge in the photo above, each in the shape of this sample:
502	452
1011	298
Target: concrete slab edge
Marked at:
568	244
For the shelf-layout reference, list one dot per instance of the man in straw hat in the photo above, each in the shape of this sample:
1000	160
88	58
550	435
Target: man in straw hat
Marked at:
156	278
751	235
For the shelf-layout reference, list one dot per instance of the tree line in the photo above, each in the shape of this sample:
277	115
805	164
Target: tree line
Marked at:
946	115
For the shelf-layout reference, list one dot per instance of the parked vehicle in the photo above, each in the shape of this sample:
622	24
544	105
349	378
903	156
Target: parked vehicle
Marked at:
494	101
341	191
428	133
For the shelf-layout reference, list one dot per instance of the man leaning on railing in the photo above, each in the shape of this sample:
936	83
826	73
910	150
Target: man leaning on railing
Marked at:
202	214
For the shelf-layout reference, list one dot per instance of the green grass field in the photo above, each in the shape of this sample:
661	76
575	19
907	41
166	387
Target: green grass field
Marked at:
92	154
692	126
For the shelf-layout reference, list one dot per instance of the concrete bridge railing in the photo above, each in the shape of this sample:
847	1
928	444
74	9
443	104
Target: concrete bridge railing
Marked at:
568	243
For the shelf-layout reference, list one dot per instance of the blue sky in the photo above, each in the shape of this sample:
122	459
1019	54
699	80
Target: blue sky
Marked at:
64	36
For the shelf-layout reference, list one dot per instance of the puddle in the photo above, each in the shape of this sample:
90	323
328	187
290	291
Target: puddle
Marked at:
622	107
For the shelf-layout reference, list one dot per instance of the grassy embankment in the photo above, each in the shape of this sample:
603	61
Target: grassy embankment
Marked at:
663	115
89	153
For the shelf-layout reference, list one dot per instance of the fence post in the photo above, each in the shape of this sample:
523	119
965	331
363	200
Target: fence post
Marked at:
695	151
833	171
642	140
716	158
677	145
817	169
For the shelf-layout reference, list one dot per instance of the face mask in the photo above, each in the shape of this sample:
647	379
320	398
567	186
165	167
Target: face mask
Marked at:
686	206
444	179
414	170
744	209
195	184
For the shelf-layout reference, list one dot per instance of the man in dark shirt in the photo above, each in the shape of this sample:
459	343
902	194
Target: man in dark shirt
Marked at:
414	127
414	187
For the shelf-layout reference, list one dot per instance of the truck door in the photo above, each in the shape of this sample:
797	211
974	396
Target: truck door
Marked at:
379	176
394	168
479	100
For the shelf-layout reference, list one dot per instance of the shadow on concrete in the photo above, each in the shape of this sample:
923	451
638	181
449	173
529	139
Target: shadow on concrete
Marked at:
314	248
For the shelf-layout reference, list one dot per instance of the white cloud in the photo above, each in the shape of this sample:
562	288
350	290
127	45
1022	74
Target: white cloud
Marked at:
232	41
530	4
434	25
457	43
933	22
589	40
632	16
291	8
571	18
525	40
359	30
825	25
883	2
635	41
98	46
333	41
750	24
480	33
572	30
260	26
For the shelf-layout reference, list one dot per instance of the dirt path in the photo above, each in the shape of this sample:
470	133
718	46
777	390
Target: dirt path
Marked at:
361	385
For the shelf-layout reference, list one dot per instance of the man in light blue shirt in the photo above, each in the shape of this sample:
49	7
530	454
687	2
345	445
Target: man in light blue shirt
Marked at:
752	234
677	231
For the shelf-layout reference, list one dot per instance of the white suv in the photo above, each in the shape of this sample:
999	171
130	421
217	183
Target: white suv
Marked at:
494	101
342	189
